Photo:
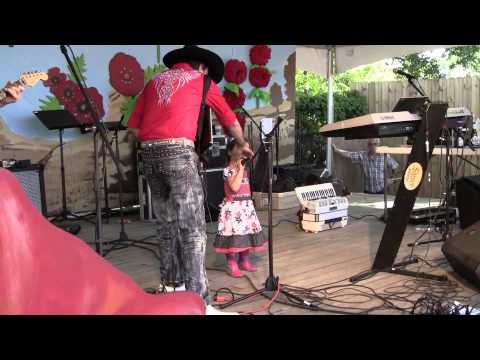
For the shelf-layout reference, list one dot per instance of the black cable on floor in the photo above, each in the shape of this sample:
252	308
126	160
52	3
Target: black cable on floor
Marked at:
402	298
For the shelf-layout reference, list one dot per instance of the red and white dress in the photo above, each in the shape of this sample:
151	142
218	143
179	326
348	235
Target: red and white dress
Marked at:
238	226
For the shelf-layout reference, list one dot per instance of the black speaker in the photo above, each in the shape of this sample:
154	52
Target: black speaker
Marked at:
32	181
214	183
217	154
468	200
463	253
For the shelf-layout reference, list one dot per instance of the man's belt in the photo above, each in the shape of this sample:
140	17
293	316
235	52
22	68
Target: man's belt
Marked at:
179	141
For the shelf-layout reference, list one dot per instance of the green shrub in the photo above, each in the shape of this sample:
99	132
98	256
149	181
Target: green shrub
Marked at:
312	110
311	113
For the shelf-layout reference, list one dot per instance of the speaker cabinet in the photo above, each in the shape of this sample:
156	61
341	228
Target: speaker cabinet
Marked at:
213	180
463	253
468	200
217	154
32	181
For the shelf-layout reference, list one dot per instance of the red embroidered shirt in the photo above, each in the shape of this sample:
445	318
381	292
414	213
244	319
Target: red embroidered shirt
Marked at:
169	105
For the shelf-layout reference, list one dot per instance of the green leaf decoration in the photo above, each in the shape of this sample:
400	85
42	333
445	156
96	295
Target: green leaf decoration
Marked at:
253	93
80	68
260	95
151	71
233	88
127	108
255	66
51	103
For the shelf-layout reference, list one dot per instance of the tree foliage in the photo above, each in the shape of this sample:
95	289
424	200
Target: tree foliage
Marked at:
311	111
312	92
422	66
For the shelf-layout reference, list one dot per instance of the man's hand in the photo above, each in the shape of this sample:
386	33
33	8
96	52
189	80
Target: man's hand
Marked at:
13	92
235	131
246	151
341	152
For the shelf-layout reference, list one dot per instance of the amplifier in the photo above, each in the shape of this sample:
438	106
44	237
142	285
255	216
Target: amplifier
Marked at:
468	200
32	181
459	118
213	180
217	154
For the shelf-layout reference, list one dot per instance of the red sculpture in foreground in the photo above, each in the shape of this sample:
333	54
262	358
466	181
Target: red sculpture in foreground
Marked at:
44	270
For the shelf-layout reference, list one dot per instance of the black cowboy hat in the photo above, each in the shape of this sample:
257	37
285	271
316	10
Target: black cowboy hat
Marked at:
194	53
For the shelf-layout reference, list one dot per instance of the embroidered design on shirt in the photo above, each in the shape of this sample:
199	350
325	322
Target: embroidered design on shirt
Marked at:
169	82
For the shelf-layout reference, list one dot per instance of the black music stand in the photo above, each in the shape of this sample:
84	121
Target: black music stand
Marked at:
413	104
123	238
60	120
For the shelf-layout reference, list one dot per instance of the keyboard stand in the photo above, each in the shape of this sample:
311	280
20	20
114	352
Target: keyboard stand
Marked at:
432	120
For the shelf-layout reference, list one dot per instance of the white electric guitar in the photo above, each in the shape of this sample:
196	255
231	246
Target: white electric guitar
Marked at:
26	79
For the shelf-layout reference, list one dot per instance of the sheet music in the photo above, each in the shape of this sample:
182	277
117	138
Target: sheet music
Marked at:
267	126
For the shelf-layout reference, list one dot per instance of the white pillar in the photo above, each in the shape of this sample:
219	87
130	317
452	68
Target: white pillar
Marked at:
330	104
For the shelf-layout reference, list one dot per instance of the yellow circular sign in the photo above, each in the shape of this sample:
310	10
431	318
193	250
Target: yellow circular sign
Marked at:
413	176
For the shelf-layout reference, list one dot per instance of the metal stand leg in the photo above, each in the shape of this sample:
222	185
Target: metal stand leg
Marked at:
448	167
385	207
98	209
395	269
105	181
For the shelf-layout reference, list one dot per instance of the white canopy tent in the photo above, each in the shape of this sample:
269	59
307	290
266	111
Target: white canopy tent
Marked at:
326	60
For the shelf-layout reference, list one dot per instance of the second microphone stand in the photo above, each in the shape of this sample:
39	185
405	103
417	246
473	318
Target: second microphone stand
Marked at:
99	128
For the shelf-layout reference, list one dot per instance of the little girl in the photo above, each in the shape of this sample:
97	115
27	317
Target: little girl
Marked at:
239	231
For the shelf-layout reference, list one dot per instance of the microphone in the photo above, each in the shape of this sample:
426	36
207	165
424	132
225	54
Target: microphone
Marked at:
63	49
403	73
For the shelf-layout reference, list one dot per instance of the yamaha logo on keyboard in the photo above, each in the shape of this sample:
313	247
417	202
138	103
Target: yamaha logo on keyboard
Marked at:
387	117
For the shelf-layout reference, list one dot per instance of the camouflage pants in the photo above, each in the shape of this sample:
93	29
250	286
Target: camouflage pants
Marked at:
178	206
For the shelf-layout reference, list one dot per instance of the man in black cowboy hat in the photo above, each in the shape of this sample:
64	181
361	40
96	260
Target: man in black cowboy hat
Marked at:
165	120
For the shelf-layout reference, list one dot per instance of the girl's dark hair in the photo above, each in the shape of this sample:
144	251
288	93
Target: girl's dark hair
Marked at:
231	144
195	64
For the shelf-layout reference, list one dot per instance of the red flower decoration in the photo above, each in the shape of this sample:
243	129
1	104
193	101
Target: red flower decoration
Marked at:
260	54
235	71
233	100
55	78
79	107
126	74
66	92
241	119
259	77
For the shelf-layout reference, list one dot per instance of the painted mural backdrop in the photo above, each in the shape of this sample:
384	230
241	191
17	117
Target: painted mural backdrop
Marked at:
115	75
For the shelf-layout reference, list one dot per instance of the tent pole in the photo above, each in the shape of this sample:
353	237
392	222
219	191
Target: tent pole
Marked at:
330	104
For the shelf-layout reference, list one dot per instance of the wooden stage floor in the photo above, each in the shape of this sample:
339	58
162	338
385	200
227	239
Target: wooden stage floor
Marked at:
307	260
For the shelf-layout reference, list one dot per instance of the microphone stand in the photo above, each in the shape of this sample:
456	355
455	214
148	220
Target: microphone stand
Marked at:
418	88
101	129
272	282
446	231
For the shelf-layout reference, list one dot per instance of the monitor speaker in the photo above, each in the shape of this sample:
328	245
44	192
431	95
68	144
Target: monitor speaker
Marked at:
463	253
468	200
